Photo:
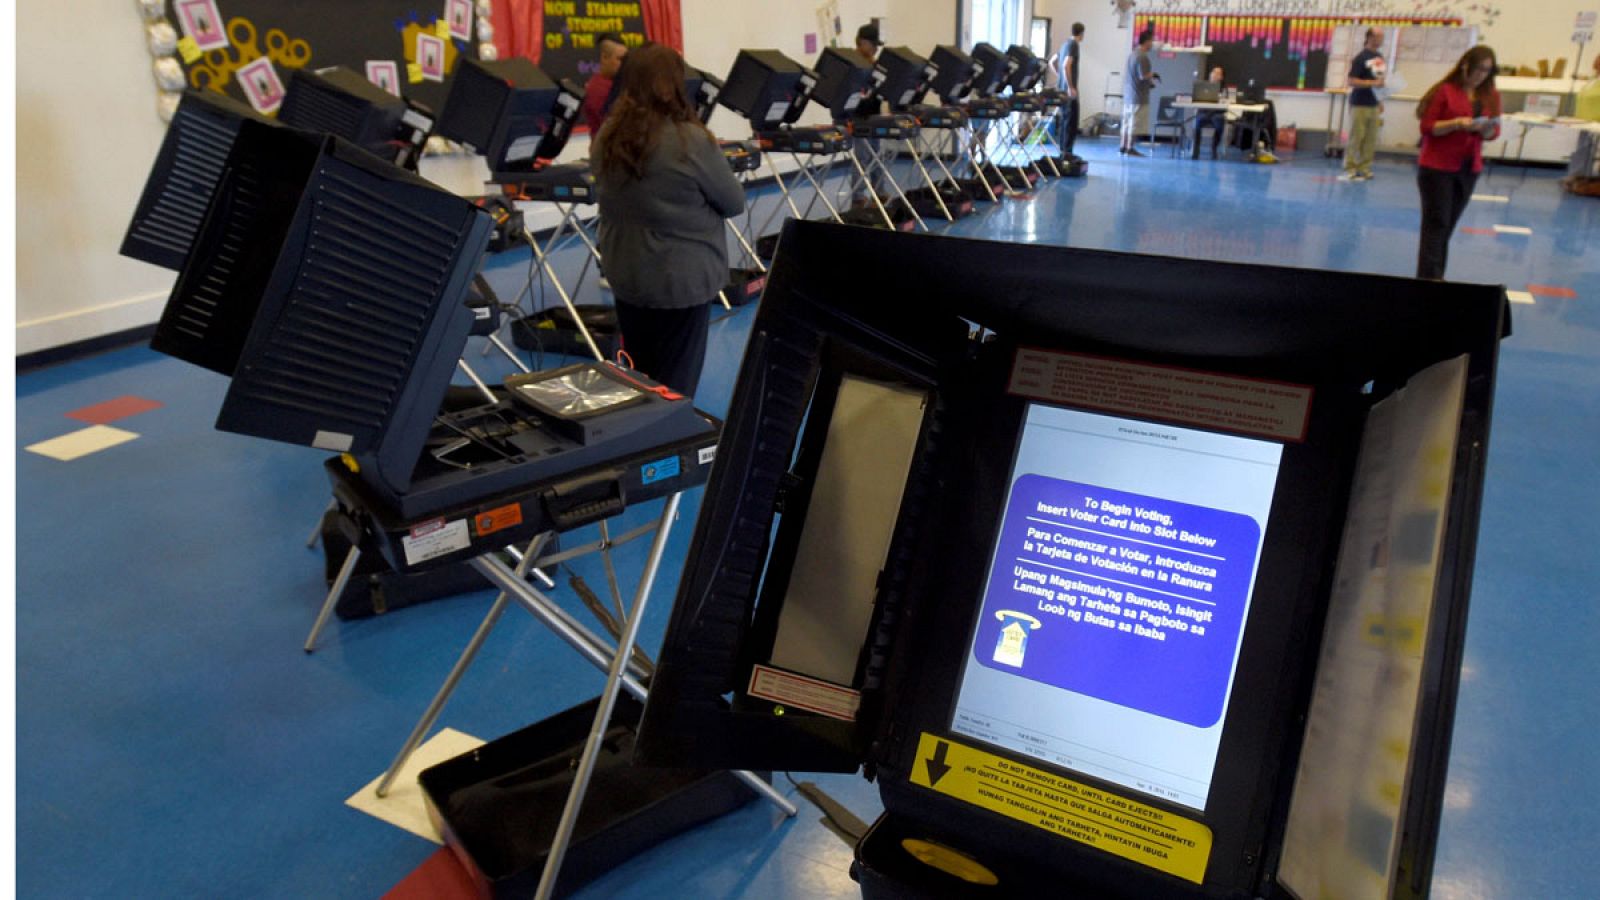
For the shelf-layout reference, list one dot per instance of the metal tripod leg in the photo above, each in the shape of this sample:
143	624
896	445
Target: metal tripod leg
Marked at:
749	251
979	151
581	232
602	720
494	339
473	646
938	160
1033	162
482	388
316	531
876	200
962	151
1050	157
1010	133
549	271
879	159
602	717
638	667
999	127
805	171
932	185
553	617
334	593
782	187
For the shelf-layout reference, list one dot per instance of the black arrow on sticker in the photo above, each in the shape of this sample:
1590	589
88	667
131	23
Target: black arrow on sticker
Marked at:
936	766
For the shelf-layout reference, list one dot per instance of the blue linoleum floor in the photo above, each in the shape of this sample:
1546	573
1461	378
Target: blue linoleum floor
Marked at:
172	739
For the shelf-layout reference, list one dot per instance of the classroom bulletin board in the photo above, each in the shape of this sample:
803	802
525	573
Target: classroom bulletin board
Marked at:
1283	52
247	49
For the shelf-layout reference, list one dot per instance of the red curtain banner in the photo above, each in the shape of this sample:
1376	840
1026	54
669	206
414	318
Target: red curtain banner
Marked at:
518	28
663	22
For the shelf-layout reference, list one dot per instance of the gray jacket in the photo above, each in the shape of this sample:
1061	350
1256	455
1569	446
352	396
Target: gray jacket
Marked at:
661	236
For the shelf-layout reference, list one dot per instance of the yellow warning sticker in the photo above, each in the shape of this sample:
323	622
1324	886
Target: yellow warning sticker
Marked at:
1105	821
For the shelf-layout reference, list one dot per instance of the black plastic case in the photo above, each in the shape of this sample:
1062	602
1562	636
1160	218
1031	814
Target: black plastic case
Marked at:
497	807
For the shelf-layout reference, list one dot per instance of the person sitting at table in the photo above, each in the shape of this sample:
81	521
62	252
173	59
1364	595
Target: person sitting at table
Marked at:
1217	119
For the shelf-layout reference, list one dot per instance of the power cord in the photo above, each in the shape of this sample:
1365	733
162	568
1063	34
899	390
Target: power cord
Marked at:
835	816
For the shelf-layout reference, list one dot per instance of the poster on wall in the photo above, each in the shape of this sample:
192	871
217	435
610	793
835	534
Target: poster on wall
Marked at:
572	30
829	24
284	35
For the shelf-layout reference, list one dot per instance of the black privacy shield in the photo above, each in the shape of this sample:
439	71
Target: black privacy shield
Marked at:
330	286
904	315
184	177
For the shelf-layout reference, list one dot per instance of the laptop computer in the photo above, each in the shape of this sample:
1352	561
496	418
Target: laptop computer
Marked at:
1207	91
1253	93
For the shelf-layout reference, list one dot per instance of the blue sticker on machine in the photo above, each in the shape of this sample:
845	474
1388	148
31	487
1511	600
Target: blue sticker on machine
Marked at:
660	470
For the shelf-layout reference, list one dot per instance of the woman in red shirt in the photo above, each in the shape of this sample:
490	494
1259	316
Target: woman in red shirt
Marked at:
1457	115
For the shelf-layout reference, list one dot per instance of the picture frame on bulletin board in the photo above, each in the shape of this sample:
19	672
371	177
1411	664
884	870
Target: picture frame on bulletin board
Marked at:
430	56
384	73
261	85
363	30
459	14
202	21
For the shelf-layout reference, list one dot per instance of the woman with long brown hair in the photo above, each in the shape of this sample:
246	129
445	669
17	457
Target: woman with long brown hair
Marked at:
664	190
1457	114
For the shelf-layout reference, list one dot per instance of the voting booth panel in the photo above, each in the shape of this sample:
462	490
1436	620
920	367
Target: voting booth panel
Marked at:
1144	586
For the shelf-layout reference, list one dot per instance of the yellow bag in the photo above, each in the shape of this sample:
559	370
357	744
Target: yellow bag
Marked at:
1588	105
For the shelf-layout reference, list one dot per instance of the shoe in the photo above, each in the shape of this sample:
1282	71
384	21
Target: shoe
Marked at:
1364	176
1133	152
1349	176
1123	150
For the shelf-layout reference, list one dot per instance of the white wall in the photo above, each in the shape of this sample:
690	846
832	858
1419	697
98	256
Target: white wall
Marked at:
87	132
715	30
1525	32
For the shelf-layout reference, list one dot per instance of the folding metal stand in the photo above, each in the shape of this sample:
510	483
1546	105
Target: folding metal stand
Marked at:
1021	104
950	121
623	672
905	130
814	152
863	177
985	113
1049	106
963	140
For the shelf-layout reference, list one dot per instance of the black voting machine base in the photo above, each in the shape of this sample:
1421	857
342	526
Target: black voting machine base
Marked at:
946	318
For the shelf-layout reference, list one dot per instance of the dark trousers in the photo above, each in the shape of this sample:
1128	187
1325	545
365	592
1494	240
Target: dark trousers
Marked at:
1444	197
669	345
1217	121
1067	134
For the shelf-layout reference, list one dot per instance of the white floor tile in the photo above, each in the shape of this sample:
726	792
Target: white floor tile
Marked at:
81	443
405	807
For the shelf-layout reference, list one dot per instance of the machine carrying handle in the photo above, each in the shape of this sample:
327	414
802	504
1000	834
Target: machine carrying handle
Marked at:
582	501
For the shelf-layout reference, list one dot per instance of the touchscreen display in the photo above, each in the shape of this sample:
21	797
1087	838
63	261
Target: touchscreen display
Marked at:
1117	595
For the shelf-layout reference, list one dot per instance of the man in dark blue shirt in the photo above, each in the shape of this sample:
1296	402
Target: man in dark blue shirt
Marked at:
1367	71
1066	66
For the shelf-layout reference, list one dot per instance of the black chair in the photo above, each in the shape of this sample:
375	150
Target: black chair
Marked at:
1169	119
